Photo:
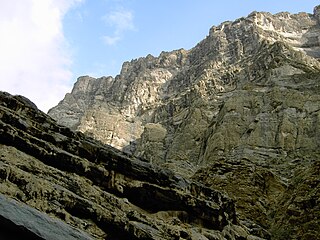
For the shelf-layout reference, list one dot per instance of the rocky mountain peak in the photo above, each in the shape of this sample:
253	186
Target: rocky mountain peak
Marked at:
316	12
192	84
297	30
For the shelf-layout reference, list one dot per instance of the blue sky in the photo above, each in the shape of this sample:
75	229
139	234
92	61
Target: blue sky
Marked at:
151	26
46	44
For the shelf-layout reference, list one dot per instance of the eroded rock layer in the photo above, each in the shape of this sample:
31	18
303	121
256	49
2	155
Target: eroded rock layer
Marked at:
252	82
84	189
239	112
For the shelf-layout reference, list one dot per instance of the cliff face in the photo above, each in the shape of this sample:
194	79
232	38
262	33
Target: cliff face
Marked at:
239	112
252	82
58	184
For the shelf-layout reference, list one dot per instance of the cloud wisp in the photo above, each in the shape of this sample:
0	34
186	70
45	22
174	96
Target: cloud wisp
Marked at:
35	60
121	21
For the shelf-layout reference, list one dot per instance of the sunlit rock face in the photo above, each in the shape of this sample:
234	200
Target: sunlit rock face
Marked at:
60	184
255	68
241	108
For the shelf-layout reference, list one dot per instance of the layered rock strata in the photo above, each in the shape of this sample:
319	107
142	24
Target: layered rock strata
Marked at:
89	190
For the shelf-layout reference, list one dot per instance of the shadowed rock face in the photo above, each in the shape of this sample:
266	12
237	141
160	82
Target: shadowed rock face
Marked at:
19	221
61	181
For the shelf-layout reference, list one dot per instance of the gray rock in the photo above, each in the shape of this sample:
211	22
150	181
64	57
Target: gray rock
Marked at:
262	56
32	223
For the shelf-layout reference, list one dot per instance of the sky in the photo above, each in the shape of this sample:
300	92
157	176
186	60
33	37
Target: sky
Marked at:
45	45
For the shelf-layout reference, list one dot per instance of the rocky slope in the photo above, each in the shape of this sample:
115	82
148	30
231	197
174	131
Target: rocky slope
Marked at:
239	112
58	184
272	59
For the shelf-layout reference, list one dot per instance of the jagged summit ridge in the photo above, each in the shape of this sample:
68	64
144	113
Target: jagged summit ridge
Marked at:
149	90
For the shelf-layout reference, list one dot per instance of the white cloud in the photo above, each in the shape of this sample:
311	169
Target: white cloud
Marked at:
121	21
111	40
35	60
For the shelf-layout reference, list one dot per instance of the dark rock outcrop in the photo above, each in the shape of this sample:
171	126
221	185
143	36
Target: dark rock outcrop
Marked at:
96	189
19	221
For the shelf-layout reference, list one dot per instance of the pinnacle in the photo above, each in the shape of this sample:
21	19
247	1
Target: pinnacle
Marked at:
316	12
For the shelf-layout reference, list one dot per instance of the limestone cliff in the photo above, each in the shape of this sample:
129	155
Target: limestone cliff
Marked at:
240	112
259	72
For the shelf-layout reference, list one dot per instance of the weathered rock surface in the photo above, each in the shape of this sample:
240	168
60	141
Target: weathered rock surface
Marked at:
90	190
19	221
260	67
239	112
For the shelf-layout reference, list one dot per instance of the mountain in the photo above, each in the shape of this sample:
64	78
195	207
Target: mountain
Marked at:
250	86
239	112
221	141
